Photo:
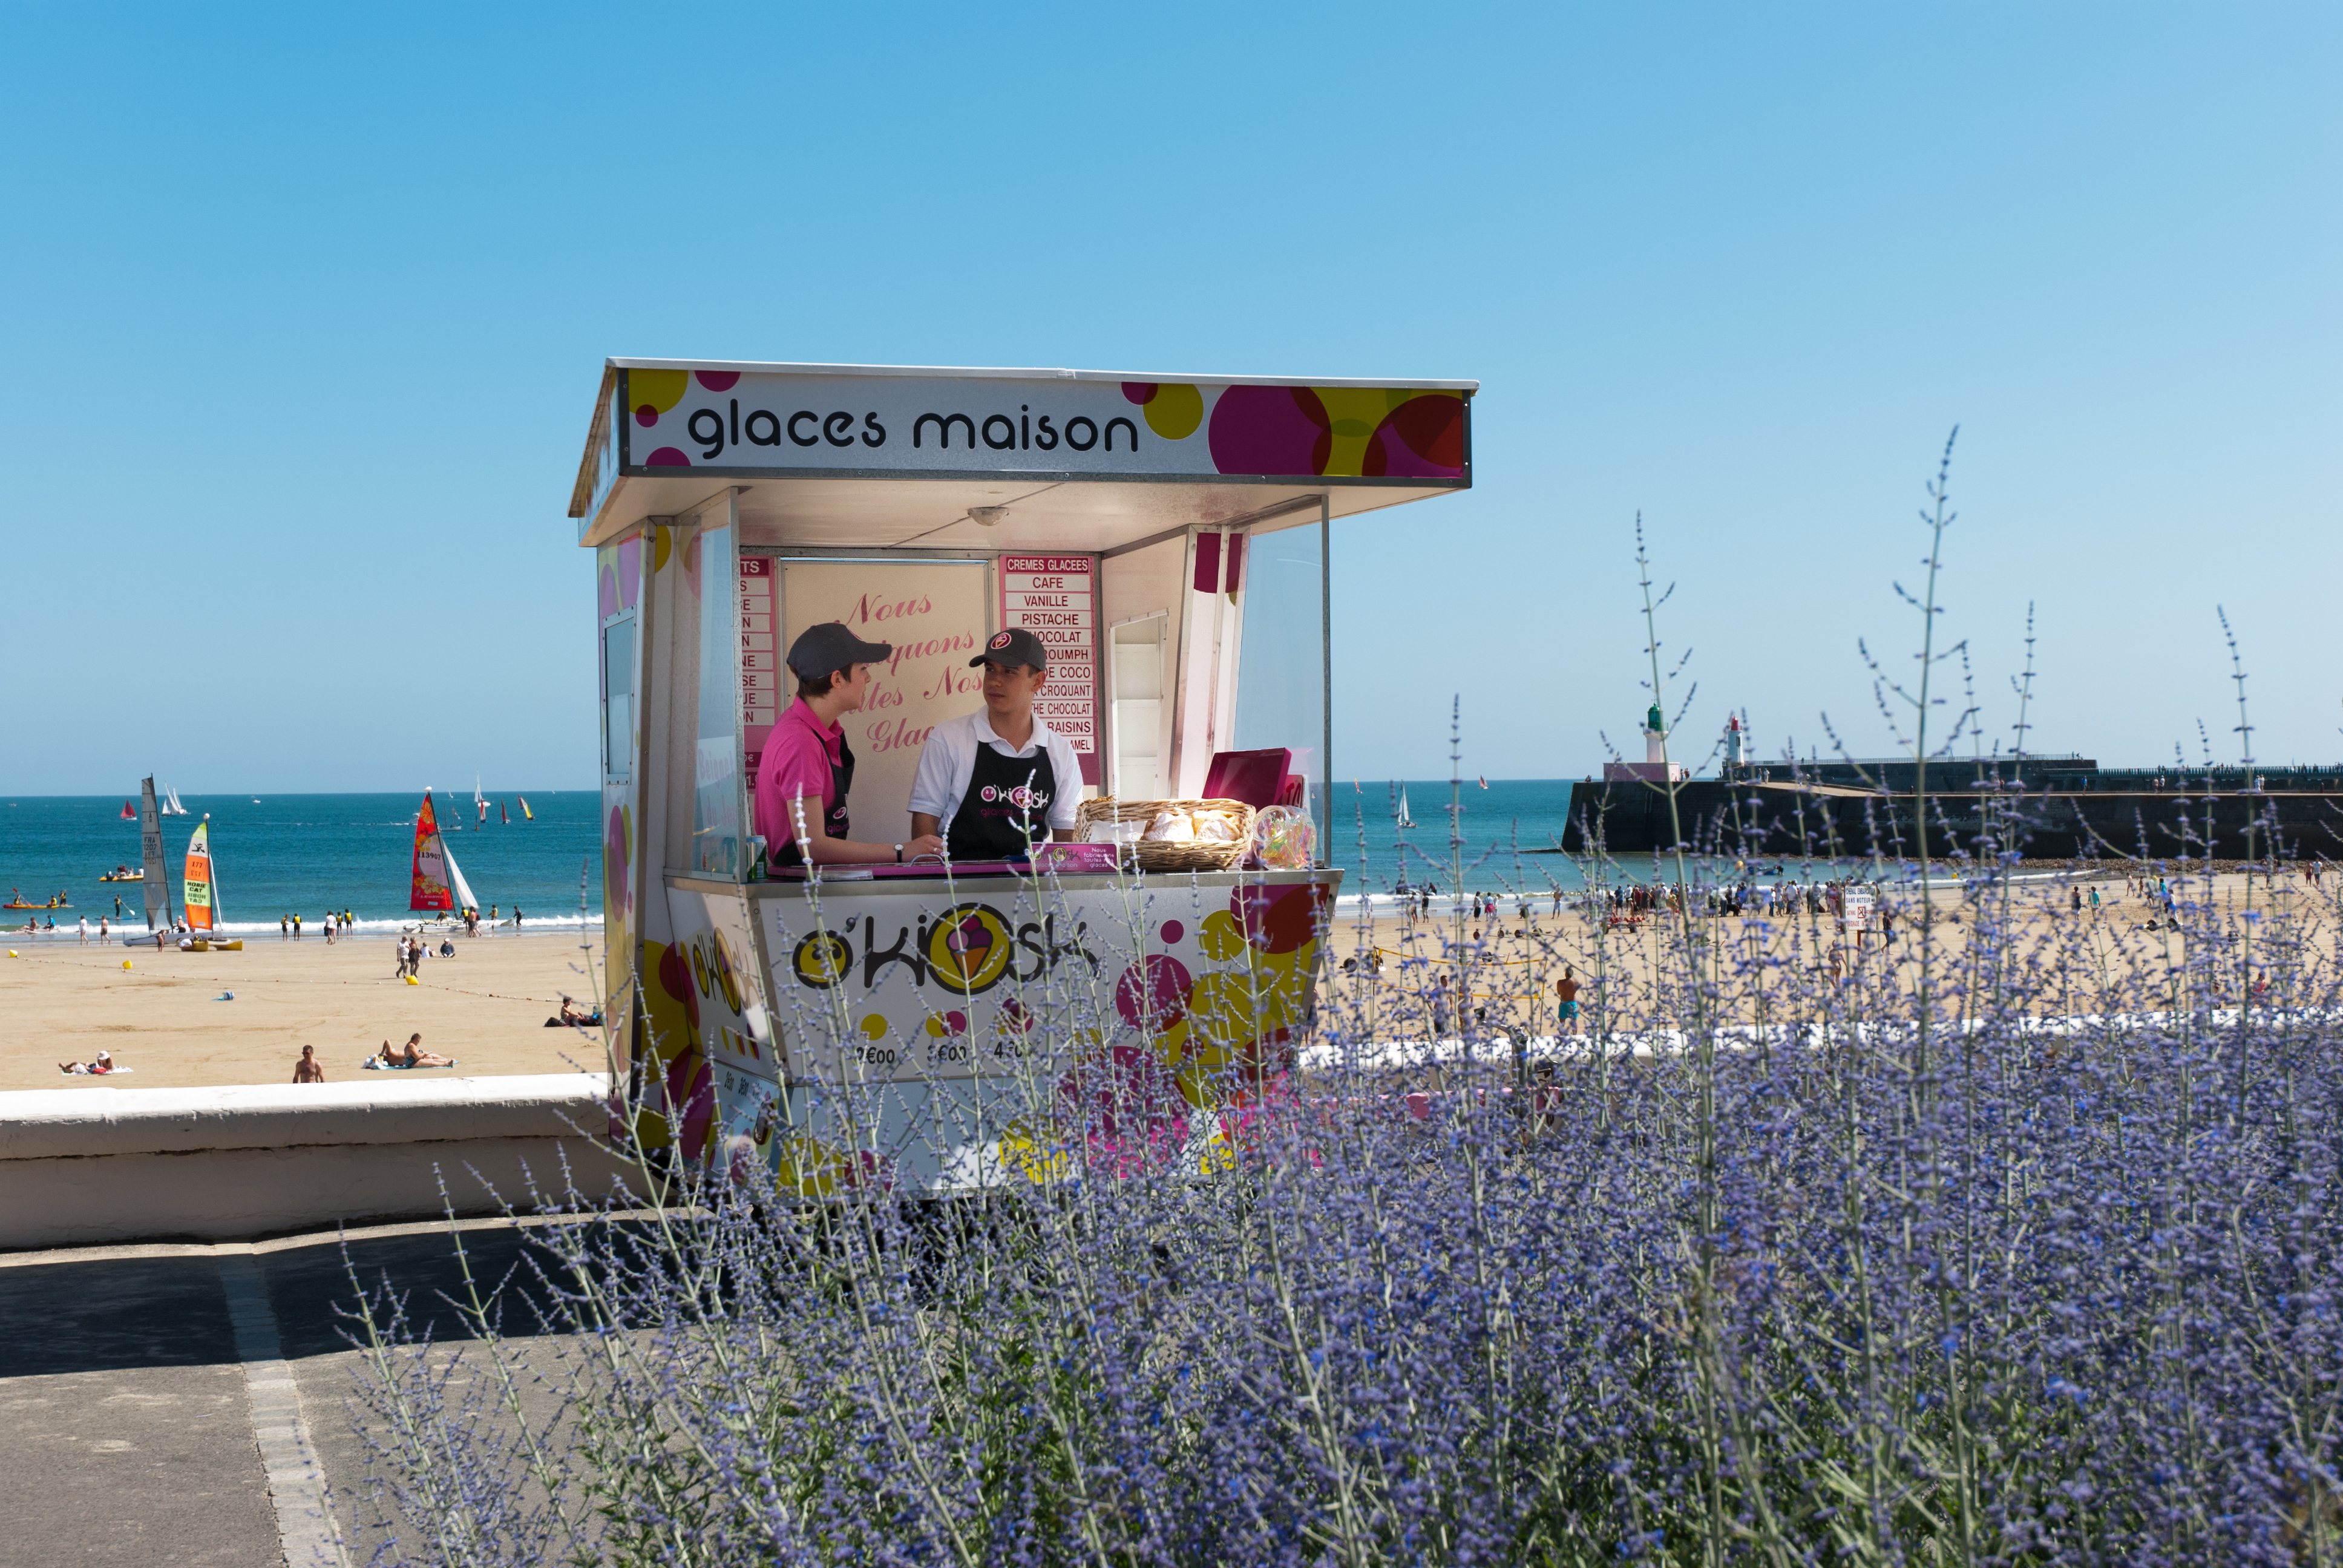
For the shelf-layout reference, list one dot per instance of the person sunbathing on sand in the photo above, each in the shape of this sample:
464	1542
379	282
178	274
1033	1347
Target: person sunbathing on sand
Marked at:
103	1063
415	1055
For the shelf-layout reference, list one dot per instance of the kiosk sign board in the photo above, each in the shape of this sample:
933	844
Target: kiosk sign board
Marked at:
765	422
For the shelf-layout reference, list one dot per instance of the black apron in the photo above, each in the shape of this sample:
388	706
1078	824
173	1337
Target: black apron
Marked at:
994	828
841	779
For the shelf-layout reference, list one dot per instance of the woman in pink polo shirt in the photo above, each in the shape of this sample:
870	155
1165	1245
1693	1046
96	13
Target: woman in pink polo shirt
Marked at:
807	771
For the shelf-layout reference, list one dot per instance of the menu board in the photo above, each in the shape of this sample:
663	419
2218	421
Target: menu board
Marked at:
1055	598
761	691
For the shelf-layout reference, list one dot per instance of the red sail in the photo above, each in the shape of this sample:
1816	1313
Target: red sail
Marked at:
429	887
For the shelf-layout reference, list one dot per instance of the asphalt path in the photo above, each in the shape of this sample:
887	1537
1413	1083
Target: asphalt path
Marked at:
183	1405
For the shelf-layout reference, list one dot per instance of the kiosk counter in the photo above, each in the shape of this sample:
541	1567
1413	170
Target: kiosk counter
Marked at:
1169	541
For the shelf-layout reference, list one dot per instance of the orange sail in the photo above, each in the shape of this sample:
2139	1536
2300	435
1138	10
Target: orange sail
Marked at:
201	916
430	889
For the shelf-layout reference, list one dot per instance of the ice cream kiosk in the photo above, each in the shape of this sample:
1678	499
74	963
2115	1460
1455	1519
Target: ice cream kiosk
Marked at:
937	1026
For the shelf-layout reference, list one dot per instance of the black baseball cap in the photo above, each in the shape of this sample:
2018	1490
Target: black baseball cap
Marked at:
828	648
1015	646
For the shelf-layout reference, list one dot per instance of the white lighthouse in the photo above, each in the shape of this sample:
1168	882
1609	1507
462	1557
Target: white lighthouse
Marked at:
1655	767
1736	745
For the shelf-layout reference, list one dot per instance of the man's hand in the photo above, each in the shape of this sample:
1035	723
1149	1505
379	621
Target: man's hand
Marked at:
924	844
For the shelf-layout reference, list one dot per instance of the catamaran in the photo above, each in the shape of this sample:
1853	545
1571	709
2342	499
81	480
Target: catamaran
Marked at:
200	898
170	806
525	814
435	884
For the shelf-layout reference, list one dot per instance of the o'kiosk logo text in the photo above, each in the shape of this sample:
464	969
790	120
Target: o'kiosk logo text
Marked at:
968	948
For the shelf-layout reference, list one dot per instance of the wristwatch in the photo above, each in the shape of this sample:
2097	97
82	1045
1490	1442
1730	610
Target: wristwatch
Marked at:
899	854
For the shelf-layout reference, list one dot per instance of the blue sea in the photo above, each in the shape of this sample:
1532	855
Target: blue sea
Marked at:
282	853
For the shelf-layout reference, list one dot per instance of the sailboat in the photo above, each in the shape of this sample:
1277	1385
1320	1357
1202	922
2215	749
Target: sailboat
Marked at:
129	812
479	799
170	806
435	884
154	870
428	886
503	818
1404	819
525	814
200	900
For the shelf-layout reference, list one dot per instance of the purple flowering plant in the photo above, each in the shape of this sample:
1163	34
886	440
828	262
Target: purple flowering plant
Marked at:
2011	1237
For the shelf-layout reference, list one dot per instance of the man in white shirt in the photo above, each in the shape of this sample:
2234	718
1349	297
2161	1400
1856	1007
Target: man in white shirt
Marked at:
1000	780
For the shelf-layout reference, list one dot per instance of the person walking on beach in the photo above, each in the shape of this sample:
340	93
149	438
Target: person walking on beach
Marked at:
1565	992
516	917
84	930
101	931
308	1070
284	928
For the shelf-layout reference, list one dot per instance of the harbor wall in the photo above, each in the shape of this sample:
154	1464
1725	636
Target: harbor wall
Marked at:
103	1165
1778	819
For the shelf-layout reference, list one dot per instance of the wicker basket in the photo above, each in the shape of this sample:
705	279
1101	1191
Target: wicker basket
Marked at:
1207	856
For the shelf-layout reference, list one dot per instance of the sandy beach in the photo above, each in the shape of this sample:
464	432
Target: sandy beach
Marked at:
486	1007
1508	966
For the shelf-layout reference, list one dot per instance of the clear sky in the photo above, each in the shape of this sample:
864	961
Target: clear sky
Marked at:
1741	267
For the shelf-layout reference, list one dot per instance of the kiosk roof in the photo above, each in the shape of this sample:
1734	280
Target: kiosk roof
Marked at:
899	456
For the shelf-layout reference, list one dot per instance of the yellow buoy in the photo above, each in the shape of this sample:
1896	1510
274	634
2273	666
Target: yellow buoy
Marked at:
12	952
412	981
126	963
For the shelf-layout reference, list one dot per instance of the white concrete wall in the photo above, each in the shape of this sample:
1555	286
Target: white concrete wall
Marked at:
105	1164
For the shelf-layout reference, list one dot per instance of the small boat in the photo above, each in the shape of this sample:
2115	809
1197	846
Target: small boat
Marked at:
129	812
123	874
201	901
1484	780
503	818
16	901
1404	819
525	814
171	806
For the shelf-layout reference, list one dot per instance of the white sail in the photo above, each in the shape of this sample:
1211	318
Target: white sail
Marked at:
464	899
1404	819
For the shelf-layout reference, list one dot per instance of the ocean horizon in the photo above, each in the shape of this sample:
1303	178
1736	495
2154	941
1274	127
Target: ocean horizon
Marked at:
276	854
